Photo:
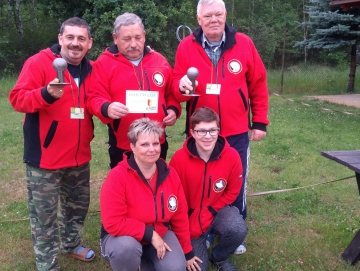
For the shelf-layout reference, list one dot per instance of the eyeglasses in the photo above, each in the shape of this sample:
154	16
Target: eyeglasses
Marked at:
212	132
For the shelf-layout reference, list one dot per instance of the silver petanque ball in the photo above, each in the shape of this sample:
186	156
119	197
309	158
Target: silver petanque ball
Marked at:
192	73
60	64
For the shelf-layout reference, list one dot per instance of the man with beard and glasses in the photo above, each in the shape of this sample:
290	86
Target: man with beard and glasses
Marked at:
57	134
129	65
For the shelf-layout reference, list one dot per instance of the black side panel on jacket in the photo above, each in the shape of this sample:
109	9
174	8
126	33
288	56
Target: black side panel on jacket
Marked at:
32	148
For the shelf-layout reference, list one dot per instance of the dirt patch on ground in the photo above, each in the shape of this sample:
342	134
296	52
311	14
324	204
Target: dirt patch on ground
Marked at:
345	99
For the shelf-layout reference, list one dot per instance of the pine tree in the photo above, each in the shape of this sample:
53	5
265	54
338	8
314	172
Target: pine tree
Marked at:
333	29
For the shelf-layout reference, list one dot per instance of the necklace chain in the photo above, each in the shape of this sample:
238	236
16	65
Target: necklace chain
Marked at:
152	175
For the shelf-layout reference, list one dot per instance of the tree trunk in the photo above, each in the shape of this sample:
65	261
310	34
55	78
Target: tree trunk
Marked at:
19	19
8	5
283	63
352	73
232	13
305	32
34	10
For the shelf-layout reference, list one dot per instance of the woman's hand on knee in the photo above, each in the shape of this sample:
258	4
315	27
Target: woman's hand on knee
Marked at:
159	245
193	265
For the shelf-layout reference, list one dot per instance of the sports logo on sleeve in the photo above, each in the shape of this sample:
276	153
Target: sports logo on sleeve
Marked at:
172	203
219	185
235	66
158	79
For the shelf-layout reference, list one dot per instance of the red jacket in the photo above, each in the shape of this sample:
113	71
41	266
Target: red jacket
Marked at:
114	74
208	186
52	140
129	206
241	74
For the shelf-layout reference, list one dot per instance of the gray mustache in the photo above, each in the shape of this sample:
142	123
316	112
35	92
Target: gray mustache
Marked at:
136	48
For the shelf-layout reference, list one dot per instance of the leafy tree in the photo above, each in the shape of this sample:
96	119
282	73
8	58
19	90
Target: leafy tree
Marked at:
269	23
333	29
24	30
62	9
160	18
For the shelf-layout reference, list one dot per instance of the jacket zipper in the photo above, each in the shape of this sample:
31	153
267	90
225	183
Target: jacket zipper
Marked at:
139	76
147	80
223	68
218	98
79	121
156	212
209	186
202	197
162	204
147	83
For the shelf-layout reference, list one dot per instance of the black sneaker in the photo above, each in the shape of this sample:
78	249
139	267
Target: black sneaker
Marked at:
224	266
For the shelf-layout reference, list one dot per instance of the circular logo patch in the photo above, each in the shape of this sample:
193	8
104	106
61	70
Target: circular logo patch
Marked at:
158	79
235	66
219	185
172	203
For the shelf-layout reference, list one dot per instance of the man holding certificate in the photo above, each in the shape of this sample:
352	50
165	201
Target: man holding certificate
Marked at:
129	81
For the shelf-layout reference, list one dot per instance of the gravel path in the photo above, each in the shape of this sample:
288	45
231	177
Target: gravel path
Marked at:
346	99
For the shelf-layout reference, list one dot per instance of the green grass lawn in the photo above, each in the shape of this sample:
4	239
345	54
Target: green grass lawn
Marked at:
310	79
306	229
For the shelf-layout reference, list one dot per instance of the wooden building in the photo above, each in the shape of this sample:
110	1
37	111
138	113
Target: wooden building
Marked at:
345	5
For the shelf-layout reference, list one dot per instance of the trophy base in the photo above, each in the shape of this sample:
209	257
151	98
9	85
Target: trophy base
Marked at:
59	84
191	95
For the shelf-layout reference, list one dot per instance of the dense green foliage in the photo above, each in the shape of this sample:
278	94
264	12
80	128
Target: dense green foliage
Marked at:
333	29
27	26
40	20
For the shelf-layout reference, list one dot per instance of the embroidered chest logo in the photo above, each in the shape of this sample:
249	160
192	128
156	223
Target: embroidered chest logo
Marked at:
219	185
158	79
235	66
172	203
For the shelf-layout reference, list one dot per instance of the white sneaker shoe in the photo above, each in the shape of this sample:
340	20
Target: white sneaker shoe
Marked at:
207	244
209	240
241	249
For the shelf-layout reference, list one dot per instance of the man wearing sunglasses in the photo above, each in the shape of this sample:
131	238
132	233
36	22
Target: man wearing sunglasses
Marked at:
211	174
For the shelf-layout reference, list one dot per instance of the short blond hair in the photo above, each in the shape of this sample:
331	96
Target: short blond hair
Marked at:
144	126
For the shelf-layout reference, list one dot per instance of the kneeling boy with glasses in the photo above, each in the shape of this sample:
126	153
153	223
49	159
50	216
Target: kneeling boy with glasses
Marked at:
211	174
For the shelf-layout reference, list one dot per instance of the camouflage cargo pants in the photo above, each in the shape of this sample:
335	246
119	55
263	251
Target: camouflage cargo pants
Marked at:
45	188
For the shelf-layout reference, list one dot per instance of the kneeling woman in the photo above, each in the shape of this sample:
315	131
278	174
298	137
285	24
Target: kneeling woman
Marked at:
140	199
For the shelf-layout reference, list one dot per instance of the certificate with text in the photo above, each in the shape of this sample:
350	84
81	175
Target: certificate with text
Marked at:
142	101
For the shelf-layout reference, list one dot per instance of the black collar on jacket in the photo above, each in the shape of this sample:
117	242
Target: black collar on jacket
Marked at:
216	153
114	50
229	33
162	168
85	63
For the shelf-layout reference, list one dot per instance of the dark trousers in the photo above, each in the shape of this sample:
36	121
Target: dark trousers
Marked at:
232	230
116	154
241	144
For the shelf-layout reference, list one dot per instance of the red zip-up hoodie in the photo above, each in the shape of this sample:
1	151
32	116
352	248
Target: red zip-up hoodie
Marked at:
208	186
130	207
113	74
52	140
241	74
